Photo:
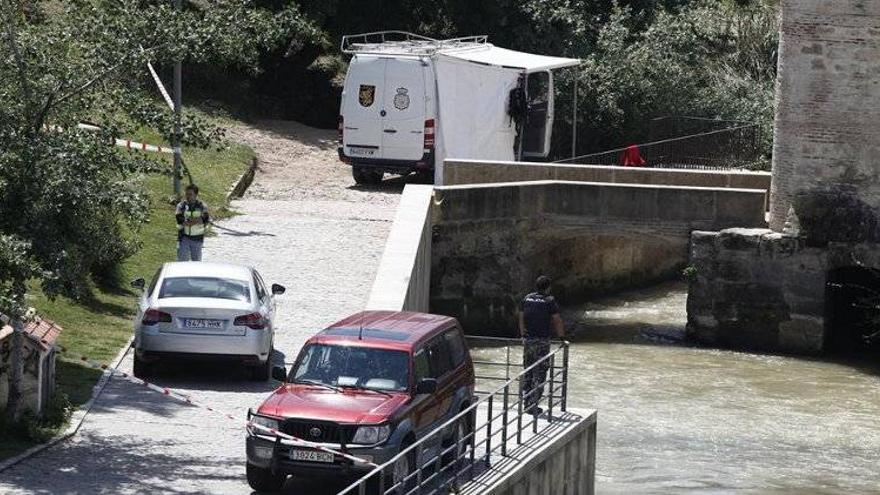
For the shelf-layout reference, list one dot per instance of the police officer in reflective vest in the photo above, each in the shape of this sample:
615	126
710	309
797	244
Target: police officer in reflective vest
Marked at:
192	218
538	317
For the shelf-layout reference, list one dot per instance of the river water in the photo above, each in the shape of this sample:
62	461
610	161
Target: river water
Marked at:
677	418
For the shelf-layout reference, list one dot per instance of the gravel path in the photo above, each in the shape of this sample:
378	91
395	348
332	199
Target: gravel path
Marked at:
302	225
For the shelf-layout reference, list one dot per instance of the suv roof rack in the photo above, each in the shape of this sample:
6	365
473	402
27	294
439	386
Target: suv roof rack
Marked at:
404	43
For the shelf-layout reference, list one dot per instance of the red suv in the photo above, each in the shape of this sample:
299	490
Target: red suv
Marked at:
369	385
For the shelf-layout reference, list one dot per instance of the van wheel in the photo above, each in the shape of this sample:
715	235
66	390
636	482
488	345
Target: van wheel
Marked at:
263	480
367	176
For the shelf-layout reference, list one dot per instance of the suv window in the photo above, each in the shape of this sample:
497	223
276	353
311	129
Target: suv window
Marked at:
456	345
421	366
439	356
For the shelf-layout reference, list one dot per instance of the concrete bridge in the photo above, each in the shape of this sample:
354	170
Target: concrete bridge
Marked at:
494	226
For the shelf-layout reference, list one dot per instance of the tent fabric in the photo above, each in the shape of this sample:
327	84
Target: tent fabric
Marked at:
489	54
472	117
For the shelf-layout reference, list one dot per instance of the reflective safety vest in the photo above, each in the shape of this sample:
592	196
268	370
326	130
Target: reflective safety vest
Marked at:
192	213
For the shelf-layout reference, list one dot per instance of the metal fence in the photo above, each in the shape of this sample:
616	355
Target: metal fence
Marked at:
491	426
736	147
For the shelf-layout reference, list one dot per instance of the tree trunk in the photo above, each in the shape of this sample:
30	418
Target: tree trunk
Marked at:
16	372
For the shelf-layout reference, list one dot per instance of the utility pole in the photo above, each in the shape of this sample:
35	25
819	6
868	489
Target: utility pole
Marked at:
175	144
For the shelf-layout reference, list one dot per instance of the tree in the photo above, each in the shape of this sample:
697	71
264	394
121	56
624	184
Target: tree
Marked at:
70	204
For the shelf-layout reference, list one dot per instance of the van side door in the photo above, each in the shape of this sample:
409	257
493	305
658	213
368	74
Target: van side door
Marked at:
361	107
404	106
538	128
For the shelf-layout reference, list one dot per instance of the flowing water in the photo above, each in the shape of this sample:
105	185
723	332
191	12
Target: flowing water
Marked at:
677	418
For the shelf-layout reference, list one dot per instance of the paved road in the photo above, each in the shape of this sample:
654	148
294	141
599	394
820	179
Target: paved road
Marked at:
323	245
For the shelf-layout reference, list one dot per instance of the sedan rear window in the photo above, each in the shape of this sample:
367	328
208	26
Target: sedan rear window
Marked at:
357	367
215	288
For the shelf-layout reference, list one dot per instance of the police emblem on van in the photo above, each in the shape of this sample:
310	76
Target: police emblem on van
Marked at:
366	95
401	99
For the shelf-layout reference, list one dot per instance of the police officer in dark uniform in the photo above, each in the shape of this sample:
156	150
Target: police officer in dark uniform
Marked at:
539	321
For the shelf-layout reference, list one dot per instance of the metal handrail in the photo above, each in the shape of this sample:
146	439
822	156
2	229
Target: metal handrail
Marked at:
469	439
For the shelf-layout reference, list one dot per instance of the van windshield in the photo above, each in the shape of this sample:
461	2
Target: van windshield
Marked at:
358	367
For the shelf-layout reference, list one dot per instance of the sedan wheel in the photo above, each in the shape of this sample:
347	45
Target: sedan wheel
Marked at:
263	372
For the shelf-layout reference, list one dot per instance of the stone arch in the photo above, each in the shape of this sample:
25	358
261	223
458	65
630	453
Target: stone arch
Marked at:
852	310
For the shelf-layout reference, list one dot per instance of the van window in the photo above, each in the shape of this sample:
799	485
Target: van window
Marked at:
456	345
439	357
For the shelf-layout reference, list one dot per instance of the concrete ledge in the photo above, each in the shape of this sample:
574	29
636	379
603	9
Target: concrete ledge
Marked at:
561	459
403	279
243	182
458	172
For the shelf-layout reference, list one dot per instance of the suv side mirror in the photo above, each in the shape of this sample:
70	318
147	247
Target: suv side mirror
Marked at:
426	386
139	283
278	289
279	373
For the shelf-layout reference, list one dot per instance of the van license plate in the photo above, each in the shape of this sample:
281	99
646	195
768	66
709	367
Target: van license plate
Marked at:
195	323
361	151
311	456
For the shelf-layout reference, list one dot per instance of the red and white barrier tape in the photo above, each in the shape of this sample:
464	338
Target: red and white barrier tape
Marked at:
125	143
167	392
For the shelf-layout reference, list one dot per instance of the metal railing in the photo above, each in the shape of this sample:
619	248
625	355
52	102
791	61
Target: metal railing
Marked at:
404	43
464	446
729	148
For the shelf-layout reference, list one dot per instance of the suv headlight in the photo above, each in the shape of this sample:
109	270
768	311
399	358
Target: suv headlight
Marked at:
262	421
368	435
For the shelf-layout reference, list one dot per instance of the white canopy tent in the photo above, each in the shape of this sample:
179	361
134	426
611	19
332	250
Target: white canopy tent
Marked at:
473	88
489	54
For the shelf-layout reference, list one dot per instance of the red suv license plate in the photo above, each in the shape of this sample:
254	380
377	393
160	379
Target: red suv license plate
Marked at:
310	456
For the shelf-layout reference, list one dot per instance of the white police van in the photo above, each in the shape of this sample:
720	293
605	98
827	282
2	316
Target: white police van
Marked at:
409	102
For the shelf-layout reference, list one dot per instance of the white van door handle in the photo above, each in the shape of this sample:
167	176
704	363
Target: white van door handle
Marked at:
391	131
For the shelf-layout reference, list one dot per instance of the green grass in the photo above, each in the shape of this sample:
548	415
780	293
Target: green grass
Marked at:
98	328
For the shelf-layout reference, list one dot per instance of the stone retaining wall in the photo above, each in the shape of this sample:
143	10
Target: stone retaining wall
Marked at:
491	241
762	290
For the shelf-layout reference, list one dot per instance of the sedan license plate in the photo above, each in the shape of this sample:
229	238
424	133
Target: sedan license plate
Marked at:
199	323
361	151
311	456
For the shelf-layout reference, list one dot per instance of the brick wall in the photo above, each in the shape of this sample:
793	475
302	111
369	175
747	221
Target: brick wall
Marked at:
826	160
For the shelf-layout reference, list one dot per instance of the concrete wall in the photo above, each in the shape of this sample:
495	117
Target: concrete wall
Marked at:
491	241
759	289
567	466
403	279
459	172
826	149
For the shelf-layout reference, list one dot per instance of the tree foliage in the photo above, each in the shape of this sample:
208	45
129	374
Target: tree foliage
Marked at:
69	200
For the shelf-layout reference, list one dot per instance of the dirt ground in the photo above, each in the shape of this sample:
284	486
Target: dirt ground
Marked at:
298	162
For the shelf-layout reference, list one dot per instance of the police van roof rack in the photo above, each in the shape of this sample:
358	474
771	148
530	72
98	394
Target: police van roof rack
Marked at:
404	43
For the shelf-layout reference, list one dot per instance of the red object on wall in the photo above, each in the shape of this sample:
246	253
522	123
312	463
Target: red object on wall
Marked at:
631	157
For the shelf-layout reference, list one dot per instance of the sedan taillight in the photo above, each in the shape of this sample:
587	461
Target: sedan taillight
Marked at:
153	316
253	320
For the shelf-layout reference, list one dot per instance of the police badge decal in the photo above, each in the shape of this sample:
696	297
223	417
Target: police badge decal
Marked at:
401	99
366	95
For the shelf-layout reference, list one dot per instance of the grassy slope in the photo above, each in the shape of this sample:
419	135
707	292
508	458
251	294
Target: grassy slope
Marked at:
99	328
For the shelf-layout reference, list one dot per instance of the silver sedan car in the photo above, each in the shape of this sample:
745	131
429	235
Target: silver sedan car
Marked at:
207	310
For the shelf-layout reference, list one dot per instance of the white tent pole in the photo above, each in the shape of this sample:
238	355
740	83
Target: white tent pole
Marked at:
574	118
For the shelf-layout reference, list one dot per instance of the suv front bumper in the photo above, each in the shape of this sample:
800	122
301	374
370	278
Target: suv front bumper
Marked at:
267	454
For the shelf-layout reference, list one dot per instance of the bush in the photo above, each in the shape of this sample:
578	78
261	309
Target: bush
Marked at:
32	428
